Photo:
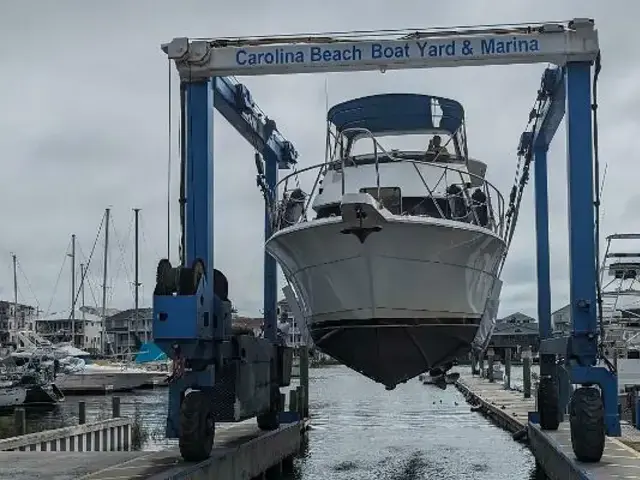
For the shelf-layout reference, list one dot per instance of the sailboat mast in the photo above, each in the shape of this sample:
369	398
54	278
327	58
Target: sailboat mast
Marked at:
83	272
137	274
73	290
104	280
15	290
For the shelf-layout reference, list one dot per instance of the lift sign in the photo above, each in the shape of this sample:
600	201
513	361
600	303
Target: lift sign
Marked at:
381	52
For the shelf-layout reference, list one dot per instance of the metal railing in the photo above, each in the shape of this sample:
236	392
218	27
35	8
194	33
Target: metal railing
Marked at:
462	179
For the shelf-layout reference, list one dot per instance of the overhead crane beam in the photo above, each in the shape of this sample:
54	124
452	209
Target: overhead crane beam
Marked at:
557	43
572	46
234	101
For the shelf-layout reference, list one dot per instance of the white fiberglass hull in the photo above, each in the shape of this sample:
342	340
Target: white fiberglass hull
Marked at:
429	278
12	396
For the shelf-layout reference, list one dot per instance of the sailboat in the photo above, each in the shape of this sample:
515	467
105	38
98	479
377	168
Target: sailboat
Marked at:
395	254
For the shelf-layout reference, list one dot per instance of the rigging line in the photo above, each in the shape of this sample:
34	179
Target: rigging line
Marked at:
55	286
169	162
121	265
84	274
142	229
87	281
123	248
28	283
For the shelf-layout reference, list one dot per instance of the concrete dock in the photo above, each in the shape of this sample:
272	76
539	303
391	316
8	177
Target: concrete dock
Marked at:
241	451
552	449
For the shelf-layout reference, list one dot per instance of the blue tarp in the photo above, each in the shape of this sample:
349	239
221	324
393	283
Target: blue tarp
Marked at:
150	352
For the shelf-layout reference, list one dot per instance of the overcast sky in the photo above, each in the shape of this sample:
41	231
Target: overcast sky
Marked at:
84	112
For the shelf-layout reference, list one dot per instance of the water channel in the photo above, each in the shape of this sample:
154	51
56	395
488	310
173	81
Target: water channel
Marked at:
360	431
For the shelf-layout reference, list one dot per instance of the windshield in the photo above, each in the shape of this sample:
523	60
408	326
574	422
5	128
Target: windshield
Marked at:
413	142
420	147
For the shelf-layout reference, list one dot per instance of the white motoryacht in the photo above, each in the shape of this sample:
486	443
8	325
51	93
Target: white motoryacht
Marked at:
395	254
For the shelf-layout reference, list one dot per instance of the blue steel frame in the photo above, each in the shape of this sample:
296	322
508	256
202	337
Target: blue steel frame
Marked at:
568	89
234	102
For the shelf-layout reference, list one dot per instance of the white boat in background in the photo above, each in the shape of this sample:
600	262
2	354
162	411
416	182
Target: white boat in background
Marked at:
619	275
73	374
12	395
398	265
440	380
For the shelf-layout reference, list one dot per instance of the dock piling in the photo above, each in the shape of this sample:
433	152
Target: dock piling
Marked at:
82	413
304	380
20	421
115	407
491	356
293	400
526	372
300	395
507	369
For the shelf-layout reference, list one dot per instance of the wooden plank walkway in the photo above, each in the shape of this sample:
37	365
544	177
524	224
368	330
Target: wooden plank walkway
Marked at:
553	450
241	451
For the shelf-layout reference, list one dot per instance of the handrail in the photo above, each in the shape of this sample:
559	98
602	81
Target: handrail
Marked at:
497	224
376	145
399	160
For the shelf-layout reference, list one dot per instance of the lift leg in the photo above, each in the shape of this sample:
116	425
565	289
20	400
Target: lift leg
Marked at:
592	411
550	415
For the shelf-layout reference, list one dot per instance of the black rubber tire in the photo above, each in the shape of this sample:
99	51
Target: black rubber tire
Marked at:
197	428
198	270
162	272
271	420
548	403
220	285
185	282
586	417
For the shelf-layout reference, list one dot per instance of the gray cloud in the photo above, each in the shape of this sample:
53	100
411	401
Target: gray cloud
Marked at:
83	116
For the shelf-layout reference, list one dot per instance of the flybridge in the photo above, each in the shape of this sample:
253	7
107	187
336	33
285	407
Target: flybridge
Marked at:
556	43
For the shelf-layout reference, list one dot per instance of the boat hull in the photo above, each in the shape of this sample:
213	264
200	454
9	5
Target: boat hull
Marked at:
408	298
12	396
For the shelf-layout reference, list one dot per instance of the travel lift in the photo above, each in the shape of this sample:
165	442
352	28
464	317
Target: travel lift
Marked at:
217	368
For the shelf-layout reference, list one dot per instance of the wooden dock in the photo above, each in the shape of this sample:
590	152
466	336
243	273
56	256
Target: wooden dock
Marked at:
241	451
552	449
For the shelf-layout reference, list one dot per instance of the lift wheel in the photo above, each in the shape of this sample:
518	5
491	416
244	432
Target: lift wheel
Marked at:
586	411
197	427
548	403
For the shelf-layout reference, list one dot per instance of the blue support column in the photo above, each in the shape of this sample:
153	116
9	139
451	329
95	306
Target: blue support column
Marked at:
270	266
582	268
548	367
199	174
198	210
542	242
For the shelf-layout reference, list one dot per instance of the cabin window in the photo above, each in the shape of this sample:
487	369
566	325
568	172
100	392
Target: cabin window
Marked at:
329	210
427	206
390	197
